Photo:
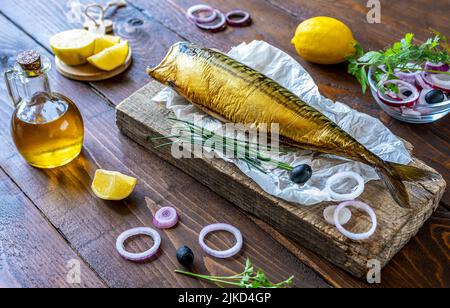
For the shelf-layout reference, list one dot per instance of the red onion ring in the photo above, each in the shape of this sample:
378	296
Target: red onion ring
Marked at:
420	82
138	257
407	76
441	67
165	218
244	18
221	254
192	11
345	175
440	81
360	206
217	25
398	102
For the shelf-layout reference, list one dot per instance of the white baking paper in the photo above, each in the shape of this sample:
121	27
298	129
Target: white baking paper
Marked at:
279	66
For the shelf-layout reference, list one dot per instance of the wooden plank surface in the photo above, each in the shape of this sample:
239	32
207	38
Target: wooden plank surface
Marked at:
141	119
91	226
421	263
32	252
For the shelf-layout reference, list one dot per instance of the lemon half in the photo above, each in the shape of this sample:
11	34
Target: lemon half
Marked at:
111	58
324	40
73	47
112	185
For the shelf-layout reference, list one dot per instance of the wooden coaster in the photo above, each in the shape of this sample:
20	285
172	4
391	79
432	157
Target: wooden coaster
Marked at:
87	72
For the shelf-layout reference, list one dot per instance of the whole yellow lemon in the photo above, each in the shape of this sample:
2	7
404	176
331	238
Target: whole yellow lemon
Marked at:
324	40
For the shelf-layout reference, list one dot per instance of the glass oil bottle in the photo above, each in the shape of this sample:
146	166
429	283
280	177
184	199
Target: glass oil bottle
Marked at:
47	128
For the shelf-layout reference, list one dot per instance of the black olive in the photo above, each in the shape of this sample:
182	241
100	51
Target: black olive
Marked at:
185	256
301	174
435	97
407	93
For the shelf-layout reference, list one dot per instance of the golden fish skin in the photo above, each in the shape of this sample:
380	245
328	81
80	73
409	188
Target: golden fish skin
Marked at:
234	92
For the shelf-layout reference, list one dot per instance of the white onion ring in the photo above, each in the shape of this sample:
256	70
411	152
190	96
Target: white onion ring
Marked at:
138	257
345	175
344	217
360	206
201	8
222	227
217	25
165	218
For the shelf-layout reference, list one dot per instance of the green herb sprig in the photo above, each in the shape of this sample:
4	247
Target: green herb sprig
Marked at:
249	279
400	56
249	152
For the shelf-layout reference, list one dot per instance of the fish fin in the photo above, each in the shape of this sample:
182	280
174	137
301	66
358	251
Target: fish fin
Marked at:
394	183
413	174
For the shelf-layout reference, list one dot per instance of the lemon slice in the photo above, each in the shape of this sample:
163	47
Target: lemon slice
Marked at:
73	47
105	41
112	185
111	58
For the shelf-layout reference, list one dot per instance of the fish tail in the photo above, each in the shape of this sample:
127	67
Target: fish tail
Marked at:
393	176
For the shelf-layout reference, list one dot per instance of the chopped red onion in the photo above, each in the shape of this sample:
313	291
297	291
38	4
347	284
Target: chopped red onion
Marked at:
165	218
441	67
221	254
238	18
138	257
398	101
360	206
441	81
194	14
407	76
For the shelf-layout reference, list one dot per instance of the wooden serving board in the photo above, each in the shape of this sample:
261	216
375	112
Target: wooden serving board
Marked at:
141	119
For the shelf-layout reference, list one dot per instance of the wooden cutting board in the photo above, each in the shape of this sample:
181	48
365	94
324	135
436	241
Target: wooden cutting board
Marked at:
141	119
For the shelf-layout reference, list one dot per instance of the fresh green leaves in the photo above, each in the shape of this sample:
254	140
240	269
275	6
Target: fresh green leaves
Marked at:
399	56
249	279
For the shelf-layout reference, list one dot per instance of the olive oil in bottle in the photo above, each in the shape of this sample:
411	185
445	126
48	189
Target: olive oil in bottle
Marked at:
47	128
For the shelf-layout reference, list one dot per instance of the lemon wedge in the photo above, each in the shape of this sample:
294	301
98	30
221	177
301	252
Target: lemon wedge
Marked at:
111	58
112	185
73	47
105	41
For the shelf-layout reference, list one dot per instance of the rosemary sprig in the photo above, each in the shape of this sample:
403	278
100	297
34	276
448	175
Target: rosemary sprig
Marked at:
249	279
399	56
247	151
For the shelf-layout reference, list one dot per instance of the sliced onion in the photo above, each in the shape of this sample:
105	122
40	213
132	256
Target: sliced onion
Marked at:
420	82
165	218
441	81
194	11
341	176
407	76
217	25
221	254
441	67
238	18
138	257
411	112
435	82
398	102
360	206
344	216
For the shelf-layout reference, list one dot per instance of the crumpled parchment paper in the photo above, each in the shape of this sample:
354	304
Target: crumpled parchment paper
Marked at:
279	66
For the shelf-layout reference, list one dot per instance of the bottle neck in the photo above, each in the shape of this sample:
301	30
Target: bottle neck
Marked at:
35	89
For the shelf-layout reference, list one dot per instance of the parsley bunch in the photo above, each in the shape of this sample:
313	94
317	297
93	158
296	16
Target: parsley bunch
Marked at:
404	56
249	279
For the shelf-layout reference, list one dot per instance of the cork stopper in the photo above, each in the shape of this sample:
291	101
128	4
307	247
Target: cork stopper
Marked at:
29	60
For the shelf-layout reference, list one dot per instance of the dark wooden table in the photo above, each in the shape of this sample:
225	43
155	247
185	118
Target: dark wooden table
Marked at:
48	218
